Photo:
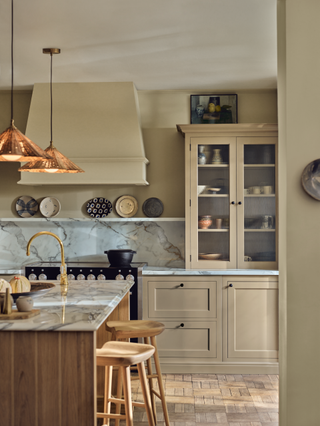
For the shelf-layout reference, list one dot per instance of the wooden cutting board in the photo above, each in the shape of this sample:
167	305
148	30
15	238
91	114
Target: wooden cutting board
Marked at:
16	315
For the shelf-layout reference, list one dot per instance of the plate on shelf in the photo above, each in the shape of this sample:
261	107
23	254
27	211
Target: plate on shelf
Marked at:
99	207
209	256
126	206
26	206
152	207
50	207
310	179
213	190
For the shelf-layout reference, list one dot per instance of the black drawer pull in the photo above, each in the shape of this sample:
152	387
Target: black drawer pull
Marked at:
181	285
182	325
230	285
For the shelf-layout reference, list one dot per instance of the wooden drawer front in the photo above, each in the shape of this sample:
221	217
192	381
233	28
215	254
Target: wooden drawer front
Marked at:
253	320
192	300
194	339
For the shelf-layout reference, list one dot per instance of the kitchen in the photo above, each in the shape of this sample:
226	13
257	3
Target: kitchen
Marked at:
160	112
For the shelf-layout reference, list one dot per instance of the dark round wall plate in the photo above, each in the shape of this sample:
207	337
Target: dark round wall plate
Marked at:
310	179
152	207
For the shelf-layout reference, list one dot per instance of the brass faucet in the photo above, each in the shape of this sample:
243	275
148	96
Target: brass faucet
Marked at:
63	269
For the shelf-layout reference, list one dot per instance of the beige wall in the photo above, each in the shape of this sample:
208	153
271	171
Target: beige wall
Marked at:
160	112
299	90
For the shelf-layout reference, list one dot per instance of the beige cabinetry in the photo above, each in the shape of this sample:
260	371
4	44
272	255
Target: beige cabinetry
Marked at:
250	319
231	196
225	324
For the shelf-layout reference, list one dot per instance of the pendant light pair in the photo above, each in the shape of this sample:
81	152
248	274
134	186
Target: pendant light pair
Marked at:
15	146
57	162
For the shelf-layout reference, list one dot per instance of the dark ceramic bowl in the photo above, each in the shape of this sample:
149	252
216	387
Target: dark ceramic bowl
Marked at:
120	257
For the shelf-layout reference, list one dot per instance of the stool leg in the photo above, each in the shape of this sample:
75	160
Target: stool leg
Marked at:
119	395
125	371
153	402
161	387
145	393
107	392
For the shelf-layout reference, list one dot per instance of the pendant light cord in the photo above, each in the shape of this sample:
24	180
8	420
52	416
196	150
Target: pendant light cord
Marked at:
51	103
11	61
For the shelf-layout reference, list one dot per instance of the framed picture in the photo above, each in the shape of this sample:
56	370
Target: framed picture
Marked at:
213	109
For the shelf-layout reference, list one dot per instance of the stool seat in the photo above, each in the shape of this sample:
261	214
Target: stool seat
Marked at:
120	353
134	328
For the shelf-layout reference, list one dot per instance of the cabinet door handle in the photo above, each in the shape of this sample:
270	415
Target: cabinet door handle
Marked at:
230	285
182	325
181	285
232	202
240	202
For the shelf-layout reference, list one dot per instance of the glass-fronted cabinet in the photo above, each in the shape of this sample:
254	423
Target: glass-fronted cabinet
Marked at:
231	196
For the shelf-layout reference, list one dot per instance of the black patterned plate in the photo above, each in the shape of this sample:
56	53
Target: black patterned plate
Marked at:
152	207
26	206
99	207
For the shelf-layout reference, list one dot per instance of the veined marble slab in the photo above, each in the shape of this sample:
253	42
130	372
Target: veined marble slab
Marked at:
151	270
86	306
159	243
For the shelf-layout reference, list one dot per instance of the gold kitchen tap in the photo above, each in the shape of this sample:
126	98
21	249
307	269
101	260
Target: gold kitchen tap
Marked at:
63	269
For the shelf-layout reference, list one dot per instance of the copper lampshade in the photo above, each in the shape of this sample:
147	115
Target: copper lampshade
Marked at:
15	144
58	164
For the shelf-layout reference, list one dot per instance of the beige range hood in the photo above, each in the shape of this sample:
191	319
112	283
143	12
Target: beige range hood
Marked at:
96	125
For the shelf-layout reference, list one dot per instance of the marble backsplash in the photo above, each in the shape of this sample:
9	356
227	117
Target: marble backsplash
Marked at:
159	243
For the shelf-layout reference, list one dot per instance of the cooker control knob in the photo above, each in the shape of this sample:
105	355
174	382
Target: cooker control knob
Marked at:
91	277
130	277
81	277
101	277
32	277
58	277
71	277
42	277
119	276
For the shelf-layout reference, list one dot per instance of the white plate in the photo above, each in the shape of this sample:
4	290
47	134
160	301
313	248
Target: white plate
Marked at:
50	207
126	206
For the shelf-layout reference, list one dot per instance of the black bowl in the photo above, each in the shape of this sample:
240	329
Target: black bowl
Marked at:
37	290
120	257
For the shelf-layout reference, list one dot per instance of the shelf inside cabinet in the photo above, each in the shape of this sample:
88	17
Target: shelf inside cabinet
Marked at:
260	195
213	195
214	230
260	230
258	165
203	166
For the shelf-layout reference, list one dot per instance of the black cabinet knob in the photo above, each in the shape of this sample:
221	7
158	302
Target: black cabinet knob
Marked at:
182	325
240	202
181	285
230	285
232	202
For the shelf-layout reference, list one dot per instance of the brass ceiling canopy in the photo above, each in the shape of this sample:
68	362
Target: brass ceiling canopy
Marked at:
56	161
14	145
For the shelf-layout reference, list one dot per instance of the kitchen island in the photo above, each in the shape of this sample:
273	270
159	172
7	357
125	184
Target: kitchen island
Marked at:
48	366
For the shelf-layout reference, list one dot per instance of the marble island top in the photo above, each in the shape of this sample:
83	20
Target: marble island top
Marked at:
86	306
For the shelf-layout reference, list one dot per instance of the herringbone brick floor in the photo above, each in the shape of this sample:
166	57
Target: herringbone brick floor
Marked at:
222	400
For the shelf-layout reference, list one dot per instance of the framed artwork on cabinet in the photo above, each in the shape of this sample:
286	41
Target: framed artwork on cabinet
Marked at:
213	109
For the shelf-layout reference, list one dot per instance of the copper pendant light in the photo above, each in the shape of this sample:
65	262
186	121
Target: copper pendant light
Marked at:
15	146
57	163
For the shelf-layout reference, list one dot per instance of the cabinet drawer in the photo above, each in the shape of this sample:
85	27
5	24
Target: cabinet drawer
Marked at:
190	339
183	299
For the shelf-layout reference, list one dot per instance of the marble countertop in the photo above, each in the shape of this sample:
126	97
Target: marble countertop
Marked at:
86	306
154	270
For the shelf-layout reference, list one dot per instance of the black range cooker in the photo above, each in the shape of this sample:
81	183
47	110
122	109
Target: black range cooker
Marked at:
94	271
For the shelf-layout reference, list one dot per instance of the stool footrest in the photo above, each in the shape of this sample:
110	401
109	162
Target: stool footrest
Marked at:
152	376
156	393
138	404
110	416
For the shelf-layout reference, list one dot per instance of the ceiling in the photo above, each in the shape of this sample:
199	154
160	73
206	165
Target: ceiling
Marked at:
159	45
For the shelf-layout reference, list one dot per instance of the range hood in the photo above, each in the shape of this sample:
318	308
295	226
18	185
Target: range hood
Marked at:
95	125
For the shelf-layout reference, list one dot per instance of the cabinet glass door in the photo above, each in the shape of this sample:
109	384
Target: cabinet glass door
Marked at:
213	236
257	219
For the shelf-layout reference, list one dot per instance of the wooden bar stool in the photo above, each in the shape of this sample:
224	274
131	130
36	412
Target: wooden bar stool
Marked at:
123	355
147	330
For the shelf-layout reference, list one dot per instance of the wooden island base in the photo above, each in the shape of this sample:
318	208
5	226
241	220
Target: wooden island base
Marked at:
48	378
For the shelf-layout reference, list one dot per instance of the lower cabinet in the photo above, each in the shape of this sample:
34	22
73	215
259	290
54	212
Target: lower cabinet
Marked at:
213	324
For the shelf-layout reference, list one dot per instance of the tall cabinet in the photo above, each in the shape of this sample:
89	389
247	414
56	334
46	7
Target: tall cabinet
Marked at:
231	196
